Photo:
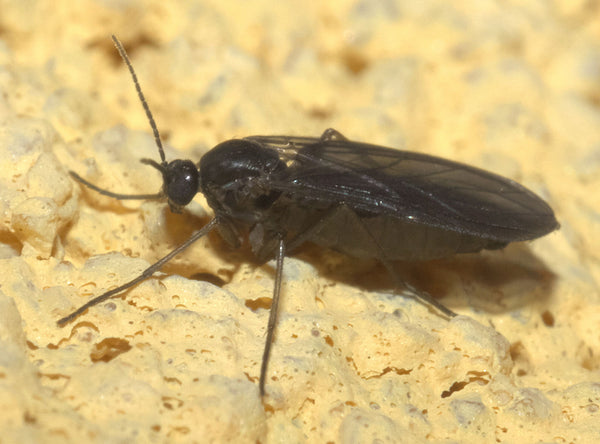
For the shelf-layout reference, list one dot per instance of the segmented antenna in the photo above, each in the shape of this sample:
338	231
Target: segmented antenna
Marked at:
142	98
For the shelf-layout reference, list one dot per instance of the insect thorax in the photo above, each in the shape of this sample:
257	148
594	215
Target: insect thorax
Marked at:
236	178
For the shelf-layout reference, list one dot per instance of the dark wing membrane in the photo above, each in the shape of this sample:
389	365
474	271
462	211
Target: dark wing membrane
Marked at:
411	186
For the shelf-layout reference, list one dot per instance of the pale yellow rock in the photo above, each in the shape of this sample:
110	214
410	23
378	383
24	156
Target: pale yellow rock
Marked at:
509	87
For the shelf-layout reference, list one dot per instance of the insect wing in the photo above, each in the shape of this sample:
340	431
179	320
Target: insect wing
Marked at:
411	186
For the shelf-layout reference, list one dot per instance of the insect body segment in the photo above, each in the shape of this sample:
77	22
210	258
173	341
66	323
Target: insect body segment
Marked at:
236	179
180	181
364	200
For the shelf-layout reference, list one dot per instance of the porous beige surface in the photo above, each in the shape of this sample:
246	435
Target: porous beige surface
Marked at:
512	87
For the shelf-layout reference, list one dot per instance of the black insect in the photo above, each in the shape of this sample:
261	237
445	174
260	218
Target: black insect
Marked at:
363	200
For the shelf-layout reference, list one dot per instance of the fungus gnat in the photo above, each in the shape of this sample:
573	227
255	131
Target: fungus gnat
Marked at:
363	200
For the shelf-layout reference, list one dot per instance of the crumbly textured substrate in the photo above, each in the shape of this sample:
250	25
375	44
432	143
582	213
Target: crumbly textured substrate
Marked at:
512	89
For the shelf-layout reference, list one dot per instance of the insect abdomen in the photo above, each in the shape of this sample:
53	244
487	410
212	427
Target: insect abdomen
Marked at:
381	236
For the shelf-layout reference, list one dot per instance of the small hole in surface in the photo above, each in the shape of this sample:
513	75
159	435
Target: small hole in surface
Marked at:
548	319
108	349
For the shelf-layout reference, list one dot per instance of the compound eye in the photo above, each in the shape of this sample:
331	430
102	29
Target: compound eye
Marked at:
181	182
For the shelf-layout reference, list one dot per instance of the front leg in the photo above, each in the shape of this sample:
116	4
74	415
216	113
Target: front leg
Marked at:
272	316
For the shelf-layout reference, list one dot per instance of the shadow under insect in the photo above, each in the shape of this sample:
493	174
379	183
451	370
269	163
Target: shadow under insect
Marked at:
496	281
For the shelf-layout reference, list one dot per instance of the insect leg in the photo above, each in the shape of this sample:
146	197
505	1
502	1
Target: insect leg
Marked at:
420	295
272	316
145	274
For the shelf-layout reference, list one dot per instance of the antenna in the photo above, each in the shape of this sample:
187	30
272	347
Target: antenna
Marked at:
142	98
